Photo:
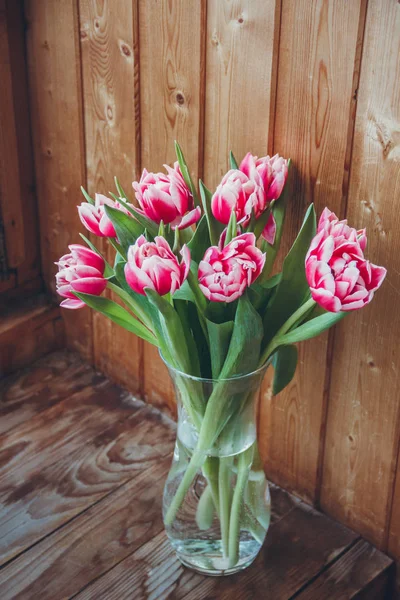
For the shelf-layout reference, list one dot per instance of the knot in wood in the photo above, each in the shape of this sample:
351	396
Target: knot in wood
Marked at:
180	98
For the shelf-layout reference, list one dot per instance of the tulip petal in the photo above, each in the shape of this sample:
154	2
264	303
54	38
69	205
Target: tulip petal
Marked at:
326	299
189	219
72	303
270	230
90	285
137	279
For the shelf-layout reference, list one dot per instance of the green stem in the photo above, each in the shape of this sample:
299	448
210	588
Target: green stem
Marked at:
244	464
194	465
292	320
224	501
211	473
135	307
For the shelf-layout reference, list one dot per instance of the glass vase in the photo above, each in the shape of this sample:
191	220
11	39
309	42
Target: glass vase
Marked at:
216	503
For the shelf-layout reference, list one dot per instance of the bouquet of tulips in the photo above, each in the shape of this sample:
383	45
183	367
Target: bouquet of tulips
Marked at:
194	274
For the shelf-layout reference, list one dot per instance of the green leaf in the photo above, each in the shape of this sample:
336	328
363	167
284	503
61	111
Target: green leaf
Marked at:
262	221
127	228
87	197
279	212
200	240
220	336
214	228
293	288
244	348
139	304
118	315
184	293
171	327
150	226
284	361
311	328
231	231
108	271
120	189
186	173
161	229
233	161
205	510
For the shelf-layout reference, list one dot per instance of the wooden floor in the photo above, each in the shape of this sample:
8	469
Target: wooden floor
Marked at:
82	471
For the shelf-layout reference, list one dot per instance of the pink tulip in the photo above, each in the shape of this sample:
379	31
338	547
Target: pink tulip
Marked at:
224	273
166	197
241	193
339	276
153	265
80	271
272	171
94	216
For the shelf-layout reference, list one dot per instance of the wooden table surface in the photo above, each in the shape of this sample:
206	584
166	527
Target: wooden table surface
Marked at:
83	466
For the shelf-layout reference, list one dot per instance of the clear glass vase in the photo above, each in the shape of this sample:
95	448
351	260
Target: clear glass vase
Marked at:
216	503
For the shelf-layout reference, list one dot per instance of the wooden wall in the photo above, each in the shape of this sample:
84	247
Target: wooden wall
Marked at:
113	84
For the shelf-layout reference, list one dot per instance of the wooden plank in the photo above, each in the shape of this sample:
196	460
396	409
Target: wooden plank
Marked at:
30	268
363	573
59	430
171	105
27	332
10	189
112	454
242	52
63	563
54	81
299	545
363	421
109	64
155	571
41	385
317	55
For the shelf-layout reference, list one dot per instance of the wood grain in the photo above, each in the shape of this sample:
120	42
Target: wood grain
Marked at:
81	493
171	106
109	60
113	453
242	52
54	79
359	573
363	420
10	188
154	571
63	563
41	385
317	52
28	329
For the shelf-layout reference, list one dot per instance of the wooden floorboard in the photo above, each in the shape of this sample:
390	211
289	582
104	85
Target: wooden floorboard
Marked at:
83	466
48	381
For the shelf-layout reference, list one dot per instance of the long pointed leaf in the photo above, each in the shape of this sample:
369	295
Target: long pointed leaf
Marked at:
293	288
284	361
214	228
127	228
312	328
118	315
186	174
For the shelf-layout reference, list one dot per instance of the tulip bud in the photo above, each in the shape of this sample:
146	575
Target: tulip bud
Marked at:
225	273
339	276
166	197
80	271
95	219
154	265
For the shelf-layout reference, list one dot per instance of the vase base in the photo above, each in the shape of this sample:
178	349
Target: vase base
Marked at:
208	560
